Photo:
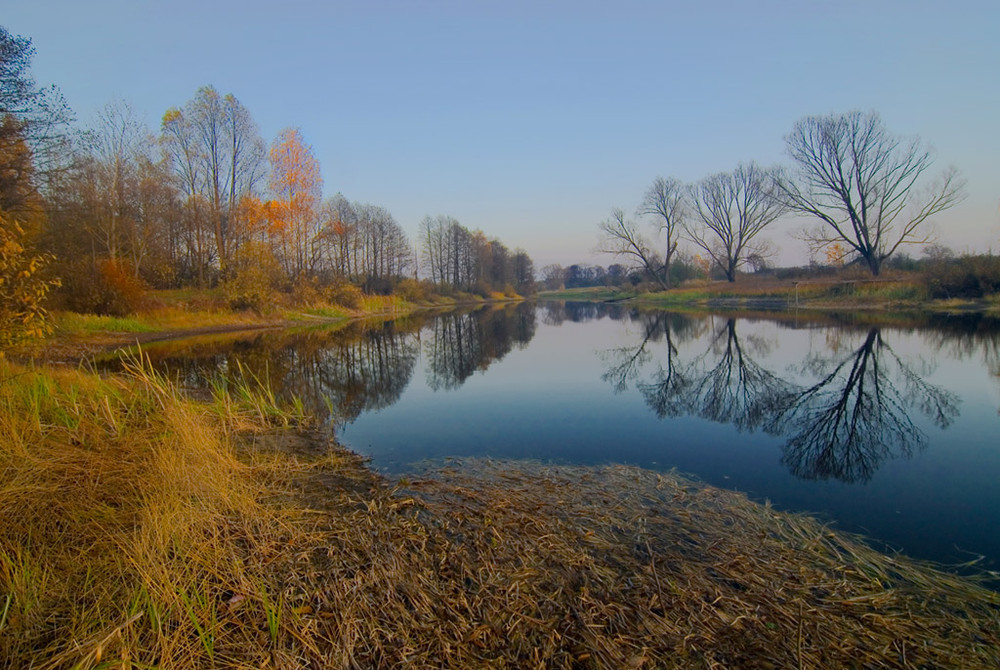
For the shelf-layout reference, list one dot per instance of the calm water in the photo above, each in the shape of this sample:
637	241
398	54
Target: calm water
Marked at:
890	429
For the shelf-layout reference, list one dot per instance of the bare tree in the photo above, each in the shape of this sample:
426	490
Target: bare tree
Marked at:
859	180
665	201
118	141
732	209
621	237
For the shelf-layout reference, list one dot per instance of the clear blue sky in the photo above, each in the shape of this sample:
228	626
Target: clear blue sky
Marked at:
531	120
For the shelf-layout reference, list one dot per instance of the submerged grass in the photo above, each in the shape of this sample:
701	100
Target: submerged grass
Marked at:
141	529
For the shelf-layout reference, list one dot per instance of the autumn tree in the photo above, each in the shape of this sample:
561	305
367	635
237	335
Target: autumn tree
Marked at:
523	273
860	181
219	157
22	286
296	187
37	116
339	237
32	124
19	196
731	209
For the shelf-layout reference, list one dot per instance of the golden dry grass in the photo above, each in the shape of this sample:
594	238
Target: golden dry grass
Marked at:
140	529
518	565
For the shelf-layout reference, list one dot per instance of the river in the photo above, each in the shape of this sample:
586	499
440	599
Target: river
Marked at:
886	425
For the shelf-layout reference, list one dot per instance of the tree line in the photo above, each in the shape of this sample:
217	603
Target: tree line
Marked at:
861	184
203	201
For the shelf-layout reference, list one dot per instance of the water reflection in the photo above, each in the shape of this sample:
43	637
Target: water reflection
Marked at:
844	425
339	373
843	408
784	409
858	414
461	343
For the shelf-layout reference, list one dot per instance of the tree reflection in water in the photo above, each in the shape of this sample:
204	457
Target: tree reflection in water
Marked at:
338	373
857	415
843	426
462	342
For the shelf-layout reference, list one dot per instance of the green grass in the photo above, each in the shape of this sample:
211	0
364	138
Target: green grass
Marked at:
71	323
588	293
331	312
822	293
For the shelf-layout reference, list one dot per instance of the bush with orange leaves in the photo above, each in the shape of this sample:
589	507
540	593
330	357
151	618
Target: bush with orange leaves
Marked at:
107	287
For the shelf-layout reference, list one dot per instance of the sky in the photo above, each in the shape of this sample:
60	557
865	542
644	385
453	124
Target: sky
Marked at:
532	120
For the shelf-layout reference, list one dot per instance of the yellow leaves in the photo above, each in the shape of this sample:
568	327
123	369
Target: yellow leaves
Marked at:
22	290
172	115
295	175
704	264
835	254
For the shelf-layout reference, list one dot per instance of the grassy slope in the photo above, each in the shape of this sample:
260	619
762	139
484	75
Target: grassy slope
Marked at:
186	312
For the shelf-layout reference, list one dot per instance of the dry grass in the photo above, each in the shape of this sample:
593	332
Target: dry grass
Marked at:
515	565
125	520
139	529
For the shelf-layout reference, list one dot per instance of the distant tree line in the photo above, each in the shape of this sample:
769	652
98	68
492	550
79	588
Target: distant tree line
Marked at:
466	260
204	201
582	275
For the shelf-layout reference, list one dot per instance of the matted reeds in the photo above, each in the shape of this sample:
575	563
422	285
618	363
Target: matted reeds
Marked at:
491	564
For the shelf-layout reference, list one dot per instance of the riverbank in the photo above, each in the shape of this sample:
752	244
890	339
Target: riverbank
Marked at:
188	313
815	295
141	528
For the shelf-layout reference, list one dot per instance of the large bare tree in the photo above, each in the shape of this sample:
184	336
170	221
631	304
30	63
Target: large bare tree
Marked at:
860	181
665	202
732	209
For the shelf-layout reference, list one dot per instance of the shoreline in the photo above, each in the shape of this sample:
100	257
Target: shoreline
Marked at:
255	540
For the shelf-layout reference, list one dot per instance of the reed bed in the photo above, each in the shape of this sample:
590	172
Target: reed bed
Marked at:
491	564
140	529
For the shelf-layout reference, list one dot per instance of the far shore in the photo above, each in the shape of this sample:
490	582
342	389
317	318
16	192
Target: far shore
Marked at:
182	314
817	295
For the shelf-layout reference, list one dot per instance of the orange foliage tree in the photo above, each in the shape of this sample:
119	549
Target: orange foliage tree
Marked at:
293	213
835	254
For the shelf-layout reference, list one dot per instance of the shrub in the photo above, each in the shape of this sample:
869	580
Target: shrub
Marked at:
107	287
306	292
22	289
347	295
412	290
965	277
255	274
